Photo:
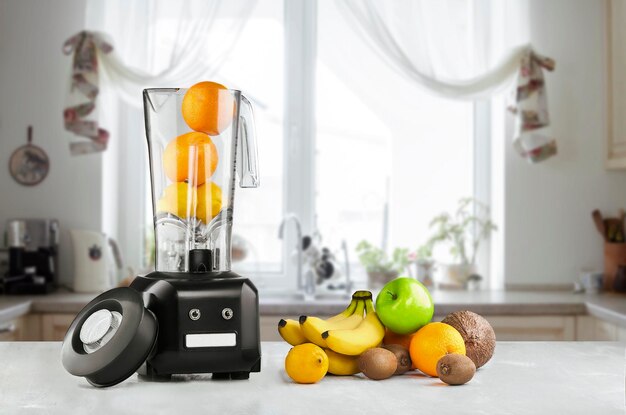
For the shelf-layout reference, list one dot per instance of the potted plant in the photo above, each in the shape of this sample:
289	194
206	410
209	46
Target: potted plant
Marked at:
463	230
425	264
380	268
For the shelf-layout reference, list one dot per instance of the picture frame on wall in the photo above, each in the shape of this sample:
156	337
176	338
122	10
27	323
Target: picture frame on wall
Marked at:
616	82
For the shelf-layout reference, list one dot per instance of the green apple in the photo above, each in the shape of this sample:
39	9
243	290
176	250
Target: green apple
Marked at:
404	305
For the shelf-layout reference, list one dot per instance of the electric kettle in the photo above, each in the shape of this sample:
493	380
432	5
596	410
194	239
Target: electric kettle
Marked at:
97	261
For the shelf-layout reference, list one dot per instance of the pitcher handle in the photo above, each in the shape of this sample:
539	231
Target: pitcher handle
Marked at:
247	158
117	255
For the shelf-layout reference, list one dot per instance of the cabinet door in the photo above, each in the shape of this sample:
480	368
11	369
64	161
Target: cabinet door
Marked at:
54	326
605	331
594	329
25	328
9	332
616	143
533	328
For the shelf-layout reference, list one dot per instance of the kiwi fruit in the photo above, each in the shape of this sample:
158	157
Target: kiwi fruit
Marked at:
479	337
403	358
455	369
378	363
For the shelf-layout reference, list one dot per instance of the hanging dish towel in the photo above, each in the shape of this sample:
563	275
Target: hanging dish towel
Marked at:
531	109
79	114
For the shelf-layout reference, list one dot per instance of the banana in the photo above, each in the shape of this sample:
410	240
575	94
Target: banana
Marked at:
313	327
358	295
345	313
362	294
354	342
290	331
340	364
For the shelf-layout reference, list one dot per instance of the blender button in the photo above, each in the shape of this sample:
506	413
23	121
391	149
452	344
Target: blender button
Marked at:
227	313
194	314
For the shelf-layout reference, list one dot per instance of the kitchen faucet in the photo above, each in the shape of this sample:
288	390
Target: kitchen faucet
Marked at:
309	288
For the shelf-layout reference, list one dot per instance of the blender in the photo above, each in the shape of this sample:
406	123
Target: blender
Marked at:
192	314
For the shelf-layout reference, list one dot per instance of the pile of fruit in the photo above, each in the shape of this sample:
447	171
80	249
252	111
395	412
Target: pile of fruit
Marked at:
395	337
191	159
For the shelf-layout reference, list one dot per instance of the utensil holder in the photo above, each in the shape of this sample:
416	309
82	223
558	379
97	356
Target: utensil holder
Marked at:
614	256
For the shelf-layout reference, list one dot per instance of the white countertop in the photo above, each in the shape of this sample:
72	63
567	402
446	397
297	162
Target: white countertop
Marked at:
522	378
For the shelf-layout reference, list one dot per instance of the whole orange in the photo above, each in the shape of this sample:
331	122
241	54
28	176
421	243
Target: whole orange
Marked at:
403	340
208	107
431	343
190	157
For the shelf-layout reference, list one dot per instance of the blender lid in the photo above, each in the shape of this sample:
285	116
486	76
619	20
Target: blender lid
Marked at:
110	338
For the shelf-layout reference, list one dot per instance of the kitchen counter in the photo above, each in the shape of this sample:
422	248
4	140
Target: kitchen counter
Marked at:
610	307
522	378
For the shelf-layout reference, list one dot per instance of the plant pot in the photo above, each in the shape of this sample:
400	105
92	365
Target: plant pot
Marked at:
378	279
456	275
425	271
614	257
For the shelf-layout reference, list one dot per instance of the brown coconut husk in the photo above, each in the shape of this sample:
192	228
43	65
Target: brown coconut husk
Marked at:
479	337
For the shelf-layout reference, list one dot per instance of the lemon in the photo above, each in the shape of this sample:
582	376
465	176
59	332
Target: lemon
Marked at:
175	200
185	201
306	363
209	201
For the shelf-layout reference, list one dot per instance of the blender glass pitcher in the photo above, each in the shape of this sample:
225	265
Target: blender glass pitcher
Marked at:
193	177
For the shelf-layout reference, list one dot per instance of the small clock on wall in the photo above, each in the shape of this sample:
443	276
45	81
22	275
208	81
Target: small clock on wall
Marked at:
29	164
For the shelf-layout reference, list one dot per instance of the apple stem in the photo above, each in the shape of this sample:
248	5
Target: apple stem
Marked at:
393	295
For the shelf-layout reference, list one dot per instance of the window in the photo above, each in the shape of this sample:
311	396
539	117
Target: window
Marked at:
367	154
389	155
255	66
346	144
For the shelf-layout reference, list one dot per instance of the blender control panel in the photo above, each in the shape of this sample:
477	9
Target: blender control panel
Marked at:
209	320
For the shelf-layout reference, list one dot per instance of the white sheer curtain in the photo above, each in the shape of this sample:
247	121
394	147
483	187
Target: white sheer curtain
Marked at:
427	42
165	43
430	43
157	43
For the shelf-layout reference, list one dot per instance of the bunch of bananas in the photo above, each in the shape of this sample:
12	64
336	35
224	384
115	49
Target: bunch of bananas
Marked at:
343	337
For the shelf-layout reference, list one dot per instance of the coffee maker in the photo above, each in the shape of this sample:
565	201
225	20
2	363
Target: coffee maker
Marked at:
33	254
193	314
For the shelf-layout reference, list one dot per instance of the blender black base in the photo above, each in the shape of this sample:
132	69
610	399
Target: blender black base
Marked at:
208	323
148	374
231	376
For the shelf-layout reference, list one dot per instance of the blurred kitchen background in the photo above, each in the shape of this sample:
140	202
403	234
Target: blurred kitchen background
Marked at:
370	166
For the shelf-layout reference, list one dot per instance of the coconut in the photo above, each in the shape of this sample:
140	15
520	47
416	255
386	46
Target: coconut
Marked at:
479	337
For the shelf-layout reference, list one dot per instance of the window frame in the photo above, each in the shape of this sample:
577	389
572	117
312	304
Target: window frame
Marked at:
300	18
299	112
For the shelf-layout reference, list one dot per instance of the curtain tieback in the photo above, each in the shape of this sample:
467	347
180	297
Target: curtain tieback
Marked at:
78	115
531	109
